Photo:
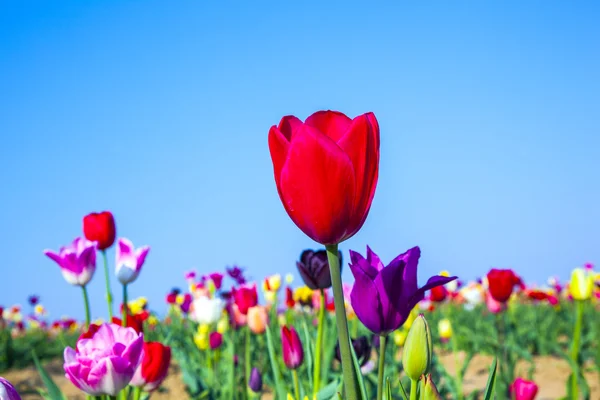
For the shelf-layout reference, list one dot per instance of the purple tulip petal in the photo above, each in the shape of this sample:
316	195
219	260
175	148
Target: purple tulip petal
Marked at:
358	261
365	300
374	260
434	281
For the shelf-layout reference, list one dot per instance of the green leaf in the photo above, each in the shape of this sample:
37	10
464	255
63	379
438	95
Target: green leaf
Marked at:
403	390
54	392
358	374
490	387
279	387
388	389
330	390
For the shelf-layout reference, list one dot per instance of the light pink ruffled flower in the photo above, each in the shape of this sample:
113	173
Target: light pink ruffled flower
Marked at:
105	363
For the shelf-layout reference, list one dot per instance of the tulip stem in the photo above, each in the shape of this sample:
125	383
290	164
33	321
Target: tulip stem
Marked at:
125	306
413	389
380	375
350	384
575	348
296	384
109	298
247	359
86	302
318	349
459	376
137	393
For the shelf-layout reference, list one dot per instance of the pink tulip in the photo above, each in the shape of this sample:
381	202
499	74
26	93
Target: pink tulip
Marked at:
77	261
105	363
494	306
522	389
129	260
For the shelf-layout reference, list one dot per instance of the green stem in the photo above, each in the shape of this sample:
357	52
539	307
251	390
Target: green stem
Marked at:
575	348
296	384
413	389
86	302
318	349
350	384
125	307
109	298
380	375
458	368
247	360
137	393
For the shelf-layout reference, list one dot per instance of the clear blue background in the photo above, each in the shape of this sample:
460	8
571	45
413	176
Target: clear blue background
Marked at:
159	112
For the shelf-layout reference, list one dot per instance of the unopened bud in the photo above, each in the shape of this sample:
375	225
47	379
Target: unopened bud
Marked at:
416	357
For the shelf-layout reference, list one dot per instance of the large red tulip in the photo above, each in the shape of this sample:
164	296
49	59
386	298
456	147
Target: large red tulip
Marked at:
100	227
501	283
326	171
154	367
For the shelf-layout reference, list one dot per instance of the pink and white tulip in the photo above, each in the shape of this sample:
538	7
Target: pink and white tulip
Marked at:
8	391
77	261
129	260
105	363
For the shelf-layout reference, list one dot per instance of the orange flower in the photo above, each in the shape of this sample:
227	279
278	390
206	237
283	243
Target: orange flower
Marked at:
258	319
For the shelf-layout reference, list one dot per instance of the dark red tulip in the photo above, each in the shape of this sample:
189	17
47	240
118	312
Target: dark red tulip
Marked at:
291	347
133	321
154	367
215	340
100	227
245	297
314	269
326	171
501	283
89	332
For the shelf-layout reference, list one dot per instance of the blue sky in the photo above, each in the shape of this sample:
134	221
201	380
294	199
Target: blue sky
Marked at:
159	111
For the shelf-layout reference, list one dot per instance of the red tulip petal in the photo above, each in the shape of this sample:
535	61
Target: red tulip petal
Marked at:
332	123
317	186
361	144
288	125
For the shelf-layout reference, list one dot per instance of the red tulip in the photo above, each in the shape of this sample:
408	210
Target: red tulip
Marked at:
523	389
133	321
100	227
154	367
291	346
89	333
245	297
438	294
326	171
289	297
501	283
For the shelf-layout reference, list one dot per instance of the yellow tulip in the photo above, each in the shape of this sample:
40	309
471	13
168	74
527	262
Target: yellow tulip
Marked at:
581	285
400	337
201	341
445	329
180	299
272	283
223	325
203	329
152	320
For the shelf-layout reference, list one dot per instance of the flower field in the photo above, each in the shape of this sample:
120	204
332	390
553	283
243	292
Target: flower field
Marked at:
385	335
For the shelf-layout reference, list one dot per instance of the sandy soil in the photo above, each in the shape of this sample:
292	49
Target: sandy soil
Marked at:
551	375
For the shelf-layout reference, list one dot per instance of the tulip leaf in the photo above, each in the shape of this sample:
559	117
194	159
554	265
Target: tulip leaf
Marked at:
403	390
279	388
388	389
54	392
330	391
490	387
358	374
309	352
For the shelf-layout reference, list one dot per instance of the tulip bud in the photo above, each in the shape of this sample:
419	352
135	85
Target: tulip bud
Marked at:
293	353
417	349
430	392
582	284
8	391
255	383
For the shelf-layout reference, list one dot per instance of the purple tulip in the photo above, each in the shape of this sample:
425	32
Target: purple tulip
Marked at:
255	382
8	391
105	363
33	300
314	269
129	260
383	298
77	261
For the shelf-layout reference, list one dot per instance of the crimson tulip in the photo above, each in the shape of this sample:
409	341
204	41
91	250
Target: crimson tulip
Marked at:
154	367
133	321
501	283
326	171
291	346
245	297
438	294
100	227
523	389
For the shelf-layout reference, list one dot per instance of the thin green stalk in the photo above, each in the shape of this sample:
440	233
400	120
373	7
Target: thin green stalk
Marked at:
319	346
350	384
458	368
247	360
296	384
137	393
86	302
125	307
380	375
413	389
109	297
575	348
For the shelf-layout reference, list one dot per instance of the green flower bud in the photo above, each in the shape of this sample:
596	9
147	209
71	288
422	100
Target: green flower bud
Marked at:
416	356
429	391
